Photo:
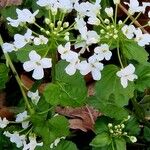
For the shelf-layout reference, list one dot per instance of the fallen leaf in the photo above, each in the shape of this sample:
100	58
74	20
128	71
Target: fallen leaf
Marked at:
4	3
82	118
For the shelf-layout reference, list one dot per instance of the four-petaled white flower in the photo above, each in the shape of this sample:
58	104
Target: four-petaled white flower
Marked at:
34	96
3	122
22	40
8	47
22	118
32	144
109	11
66	53
37	64
103	52
23	16
40	40
126	74
16	138
128	31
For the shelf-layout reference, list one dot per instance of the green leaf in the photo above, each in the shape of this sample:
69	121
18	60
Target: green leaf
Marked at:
101	125
23	53
145	104
110	89
143	73
101	140
133	51
3	75
68	90
147	133
59	126
108	109
50	130
65	145
120	144
132	126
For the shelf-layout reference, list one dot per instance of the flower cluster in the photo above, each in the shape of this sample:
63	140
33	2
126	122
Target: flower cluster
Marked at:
118	131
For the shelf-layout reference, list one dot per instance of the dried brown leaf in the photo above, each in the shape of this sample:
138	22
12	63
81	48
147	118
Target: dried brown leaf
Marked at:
4	3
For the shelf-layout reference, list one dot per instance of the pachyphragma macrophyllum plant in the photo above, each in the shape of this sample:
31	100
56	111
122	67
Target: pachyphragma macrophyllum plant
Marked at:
40	47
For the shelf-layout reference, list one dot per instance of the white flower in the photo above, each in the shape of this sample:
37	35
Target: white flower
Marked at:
87	38
40	40
134	7
8	47
22	118
37	64
66	53
32	144
23	16
93	66
133	139
22	40
116	1
103	52
142	39
96	67
3	122
15	138
128	31
126	74
34	96
56	142
109	11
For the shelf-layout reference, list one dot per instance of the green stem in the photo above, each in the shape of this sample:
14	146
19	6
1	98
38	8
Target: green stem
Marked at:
135	18
17	79
119	57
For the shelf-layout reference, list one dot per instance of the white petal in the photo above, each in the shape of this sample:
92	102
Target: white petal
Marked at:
96	74
46	62
124	82
70	69
108	55
38	73
34	56
28	66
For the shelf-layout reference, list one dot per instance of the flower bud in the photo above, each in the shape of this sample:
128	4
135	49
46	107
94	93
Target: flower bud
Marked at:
109	11
106	21
51	25
42	30
133	139
65	24
110	125
47	21
59	23
47	32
